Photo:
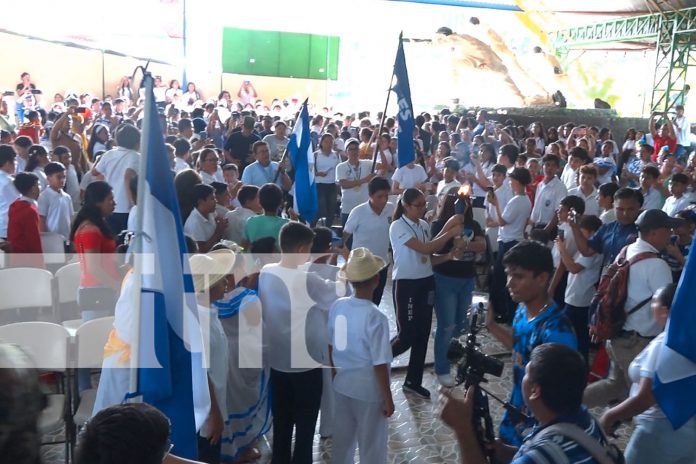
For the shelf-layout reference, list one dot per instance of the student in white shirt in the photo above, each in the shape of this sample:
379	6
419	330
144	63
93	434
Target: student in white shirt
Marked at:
549	193
582	279
325	162
586	189
209	274
577	156
679	198
503	193
512	221
182	152
55	206
8	192
287	295
410	176
202	225
360	354
368	226
449	177
208	164
248	196
652	198
72	184
353	176
414	285
605	199
571	209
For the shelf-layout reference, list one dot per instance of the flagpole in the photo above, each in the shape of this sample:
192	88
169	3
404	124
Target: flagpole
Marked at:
138	239
384	114
280	164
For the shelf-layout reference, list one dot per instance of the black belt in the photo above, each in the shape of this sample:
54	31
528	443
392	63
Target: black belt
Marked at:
633	333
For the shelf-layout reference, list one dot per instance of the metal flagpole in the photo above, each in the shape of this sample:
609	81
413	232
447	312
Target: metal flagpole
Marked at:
384	115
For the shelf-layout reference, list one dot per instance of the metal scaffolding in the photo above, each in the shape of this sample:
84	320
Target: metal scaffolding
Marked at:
674	36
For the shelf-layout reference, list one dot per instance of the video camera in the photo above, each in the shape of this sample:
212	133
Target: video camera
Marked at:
472	364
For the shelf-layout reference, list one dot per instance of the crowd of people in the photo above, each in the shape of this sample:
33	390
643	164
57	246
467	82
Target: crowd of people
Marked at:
540	211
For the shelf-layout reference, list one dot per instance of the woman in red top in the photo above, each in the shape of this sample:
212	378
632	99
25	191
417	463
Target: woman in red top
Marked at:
23	223
95	244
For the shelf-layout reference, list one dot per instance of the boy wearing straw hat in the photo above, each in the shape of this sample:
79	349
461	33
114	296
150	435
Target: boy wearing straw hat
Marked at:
360	353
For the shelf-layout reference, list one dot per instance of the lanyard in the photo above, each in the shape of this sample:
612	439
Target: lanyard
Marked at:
414	231
353	171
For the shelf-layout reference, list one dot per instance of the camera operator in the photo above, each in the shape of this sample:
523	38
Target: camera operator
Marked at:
553	382
528	267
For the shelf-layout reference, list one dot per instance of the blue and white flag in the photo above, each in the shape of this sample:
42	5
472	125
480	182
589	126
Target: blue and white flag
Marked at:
406	123
169	333
674	384
300	150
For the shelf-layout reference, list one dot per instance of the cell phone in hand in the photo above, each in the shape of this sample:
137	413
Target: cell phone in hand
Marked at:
561	234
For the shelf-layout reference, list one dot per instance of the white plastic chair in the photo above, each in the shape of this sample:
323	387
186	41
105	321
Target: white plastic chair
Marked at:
47	344
25	287
90	339
53	246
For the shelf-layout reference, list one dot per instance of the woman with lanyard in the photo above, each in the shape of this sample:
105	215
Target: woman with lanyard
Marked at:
325	161
414	287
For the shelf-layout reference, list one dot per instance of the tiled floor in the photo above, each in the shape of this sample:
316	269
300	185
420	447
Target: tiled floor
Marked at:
416	435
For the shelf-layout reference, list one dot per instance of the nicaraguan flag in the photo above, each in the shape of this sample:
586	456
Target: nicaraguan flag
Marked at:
300	149
406	123
674	385
169	333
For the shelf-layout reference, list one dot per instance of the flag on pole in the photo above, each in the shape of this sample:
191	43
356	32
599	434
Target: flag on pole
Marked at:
406	123
300	150
675	377
168	330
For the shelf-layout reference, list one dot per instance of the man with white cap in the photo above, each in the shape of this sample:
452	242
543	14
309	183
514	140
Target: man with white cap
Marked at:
360	354
352	176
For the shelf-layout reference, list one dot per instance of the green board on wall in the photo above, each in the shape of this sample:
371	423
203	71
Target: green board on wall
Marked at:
279	54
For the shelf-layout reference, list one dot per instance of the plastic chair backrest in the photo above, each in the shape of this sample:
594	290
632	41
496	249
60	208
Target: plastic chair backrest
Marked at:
91	338
25	287
46	342
67	282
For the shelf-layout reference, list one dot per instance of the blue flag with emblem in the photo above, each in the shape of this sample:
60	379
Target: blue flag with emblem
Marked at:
302	157
406	123
170	371
674	384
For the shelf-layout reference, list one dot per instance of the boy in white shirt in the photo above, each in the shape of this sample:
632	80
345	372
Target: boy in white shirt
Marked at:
504	195
55	206
549	193
202	225
410	176
449	179
583	275
577	156
586	190
360	355
652	198
679	198
605	199
571	209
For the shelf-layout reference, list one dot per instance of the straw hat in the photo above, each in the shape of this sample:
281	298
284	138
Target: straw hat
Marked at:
209	269
362	265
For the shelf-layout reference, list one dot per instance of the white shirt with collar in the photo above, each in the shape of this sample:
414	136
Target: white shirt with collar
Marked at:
644	279
515	214
504	195
8	194
408	263
113	165
207	178
444	187
547	200
352	197
57	209
569	177
652	199
235	223
181	165
673	205
326	163
409	177
591	200
199	227
369	229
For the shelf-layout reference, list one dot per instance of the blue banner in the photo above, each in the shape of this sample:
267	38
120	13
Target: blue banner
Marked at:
406	123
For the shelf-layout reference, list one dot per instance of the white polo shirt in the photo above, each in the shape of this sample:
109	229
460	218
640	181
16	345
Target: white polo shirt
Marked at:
547	200
324	163
235	223
352	197
644	279
360	341
8	194
591	200
515	214
408	263
569	242
444	187
652	199
113	164
569	177
409	177
673	205
181	165
581	286
57	208
198	227
369	229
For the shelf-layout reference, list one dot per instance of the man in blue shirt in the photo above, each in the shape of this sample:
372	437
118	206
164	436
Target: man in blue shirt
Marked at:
552	386
537	320
612	237
263	170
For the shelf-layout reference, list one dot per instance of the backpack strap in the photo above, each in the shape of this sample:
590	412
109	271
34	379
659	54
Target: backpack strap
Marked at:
579	436
637	258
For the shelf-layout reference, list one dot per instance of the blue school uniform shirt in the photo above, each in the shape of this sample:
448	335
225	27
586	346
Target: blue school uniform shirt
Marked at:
611	238
550	326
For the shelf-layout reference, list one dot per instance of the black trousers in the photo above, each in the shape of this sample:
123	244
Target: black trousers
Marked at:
413	303
295	401
580	318
208	453
500	297
327	202
379	291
